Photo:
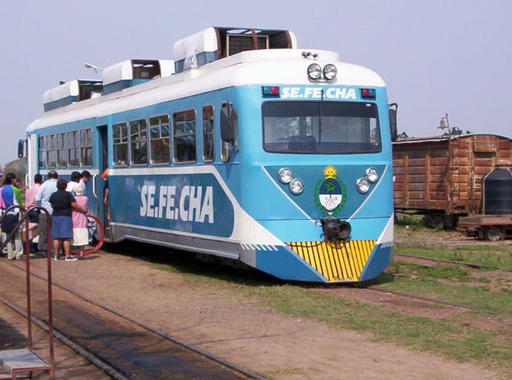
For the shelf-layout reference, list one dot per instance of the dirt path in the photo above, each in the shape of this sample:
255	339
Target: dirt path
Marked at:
243	332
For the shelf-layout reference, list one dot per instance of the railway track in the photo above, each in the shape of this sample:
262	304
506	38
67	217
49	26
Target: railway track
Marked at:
452	262
152	348
435	260
425	299
64	339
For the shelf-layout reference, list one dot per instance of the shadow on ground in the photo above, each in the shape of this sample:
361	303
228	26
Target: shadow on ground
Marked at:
217	268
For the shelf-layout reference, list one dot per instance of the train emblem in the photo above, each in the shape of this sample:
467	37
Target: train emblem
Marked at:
330	192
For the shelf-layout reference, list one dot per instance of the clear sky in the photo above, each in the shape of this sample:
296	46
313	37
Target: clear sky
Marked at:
436	56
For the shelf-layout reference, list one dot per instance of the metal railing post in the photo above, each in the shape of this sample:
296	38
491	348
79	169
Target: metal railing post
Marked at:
24	220
50	294
26	250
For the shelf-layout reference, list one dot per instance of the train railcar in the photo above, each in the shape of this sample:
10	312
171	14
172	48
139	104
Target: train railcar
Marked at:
245	147
441	177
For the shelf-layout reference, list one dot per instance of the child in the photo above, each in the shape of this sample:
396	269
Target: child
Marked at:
80	232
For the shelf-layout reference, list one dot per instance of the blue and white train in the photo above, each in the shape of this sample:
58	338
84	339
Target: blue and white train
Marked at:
243	147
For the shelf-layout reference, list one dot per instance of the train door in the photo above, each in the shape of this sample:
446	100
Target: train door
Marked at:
100	180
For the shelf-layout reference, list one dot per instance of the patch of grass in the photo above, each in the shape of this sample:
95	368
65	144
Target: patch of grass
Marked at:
408	220
423	334
438	271
495	257
432	282
450	339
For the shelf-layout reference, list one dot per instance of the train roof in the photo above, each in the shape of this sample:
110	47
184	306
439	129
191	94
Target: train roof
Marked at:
443	138
279	66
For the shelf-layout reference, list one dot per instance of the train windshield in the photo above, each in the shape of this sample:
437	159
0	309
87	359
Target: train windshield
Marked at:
321	127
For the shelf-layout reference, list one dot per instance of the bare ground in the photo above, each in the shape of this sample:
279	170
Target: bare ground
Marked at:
244	332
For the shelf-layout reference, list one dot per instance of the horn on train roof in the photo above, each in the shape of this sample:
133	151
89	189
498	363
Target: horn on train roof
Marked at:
216	43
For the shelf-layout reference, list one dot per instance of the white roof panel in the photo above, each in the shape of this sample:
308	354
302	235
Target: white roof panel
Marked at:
275	66
62	91
120	71
203	41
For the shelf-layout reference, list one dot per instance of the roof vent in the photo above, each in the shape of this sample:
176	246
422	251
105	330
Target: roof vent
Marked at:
133	72
216	43
70	92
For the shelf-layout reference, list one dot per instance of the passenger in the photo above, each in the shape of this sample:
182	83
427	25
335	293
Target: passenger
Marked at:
75	179
104	177
30	201
43	199
63	204
2	209
86	176
80	231
11	195
106	208
31	192
2	205
30	196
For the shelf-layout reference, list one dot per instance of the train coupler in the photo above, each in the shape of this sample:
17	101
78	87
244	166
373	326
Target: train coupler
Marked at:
335	229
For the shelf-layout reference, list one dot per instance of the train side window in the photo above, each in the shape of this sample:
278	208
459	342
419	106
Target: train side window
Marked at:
86	146
229	131
120	144
139	142
42	152
184	133
160	140
52	151
208	134
74	148
62	150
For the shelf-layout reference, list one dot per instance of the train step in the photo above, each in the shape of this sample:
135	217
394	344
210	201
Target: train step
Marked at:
22	361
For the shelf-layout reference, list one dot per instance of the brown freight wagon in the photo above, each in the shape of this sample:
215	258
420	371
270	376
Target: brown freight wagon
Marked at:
441	177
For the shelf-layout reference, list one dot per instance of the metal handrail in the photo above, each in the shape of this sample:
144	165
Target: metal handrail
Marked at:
94	185
24	214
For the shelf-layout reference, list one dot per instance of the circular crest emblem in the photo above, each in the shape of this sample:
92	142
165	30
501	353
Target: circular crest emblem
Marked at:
329	192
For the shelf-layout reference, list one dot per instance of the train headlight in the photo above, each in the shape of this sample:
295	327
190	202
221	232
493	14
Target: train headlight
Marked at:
330	71
314	71
363	186
285	175
296	186
372	175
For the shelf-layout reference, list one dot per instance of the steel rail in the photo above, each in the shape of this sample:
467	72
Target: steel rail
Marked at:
423	298
468	264
158	332
64	339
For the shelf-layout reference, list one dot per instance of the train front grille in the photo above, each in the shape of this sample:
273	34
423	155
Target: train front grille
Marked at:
336	261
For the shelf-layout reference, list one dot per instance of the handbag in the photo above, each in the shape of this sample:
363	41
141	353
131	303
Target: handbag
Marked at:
9	222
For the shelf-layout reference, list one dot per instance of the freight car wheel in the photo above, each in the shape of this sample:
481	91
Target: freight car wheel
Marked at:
495	233
434	221
450	222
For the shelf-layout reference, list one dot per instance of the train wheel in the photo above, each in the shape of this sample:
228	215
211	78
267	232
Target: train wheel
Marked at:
96	236
495	233
434	221
450	222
